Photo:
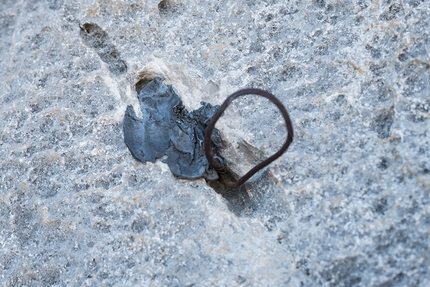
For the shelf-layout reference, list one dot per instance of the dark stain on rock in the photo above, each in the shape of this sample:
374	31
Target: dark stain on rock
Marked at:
383	164
167	8
391	13
167	128
381	206
163	6
95	37
375	52
290	72
383	122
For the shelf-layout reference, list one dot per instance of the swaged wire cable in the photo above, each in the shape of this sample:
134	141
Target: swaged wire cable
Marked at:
207	141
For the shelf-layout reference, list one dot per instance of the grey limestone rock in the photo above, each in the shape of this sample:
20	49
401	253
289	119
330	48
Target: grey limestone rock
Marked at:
347	205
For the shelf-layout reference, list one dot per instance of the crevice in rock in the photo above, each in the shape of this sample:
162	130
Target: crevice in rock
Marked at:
95	37
167	128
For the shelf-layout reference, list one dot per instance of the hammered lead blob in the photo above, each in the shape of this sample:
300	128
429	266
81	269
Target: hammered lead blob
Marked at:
167	128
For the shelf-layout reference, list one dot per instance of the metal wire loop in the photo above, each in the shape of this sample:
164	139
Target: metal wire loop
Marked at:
207	142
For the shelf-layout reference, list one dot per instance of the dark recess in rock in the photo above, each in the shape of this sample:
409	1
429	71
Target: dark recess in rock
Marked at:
383	164
163	6
95	37
167	128
168	8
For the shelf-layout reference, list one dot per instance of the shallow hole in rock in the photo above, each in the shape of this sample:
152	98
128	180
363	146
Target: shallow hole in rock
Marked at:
168	7
162	6
143	78
168	128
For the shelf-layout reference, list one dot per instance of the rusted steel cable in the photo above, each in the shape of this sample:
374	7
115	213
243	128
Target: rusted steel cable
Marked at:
207	141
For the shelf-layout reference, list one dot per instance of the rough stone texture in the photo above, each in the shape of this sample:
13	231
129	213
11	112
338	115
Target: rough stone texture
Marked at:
347	205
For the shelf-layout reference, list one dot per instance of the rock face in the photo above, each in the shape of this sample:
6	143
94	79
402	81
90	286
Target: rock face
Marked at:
347	205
